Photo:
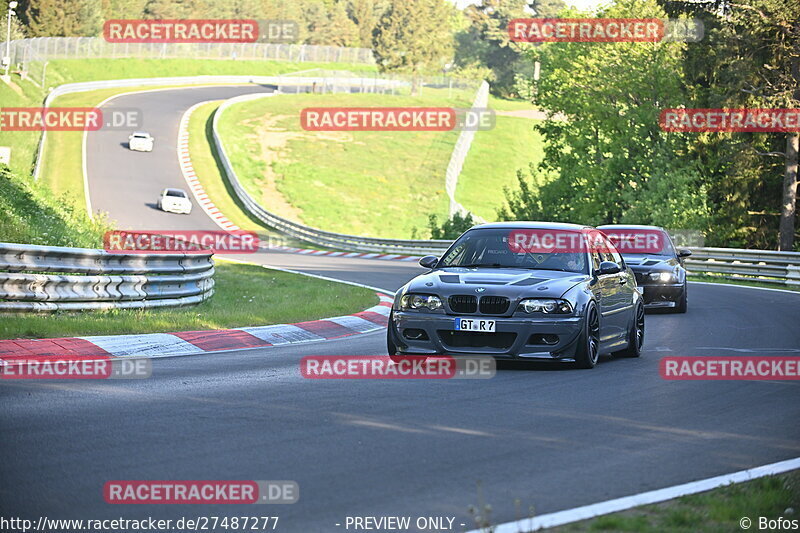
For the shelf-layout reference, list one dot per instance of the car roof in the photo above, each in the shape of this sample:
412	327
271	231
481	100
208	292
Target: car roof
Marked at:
630	226
528	224
140	133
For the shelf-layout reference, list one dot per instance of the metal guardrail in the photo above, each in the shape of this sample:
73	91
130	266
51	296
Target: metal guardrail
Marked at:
780	268
48	278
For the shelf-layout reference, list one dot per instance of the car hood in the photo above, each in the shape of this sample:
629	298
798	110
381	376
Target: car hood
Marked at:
510	282
648	262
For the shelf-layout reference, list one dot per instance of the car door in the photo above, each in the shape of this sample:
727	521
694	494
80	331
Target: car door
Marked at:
623	296
617	305
605	292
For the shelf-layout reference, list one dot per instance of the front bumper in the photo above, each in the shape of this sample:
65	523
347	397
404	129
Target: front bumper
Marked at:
660	295
546	338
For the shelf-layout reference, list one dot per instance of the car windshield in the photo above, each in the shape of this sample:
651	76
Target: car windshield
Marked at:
490	248
140	136
176	193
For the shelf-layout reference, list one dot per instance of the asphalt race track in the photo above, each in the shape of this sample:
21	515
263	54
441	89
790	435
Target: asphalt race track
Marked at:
551	437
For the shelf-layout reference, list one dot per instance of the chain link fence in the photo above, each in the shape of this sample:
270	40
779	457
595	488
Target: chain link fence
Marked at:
26	51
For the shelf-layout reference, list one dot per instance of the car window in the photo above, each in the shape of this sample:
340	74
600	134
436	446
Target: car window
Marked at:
490	248
176	193
614	255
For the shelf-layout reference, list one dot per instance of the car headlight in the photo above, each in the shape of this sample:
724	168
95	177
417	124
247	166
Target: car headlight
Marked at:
663	277
420	301
550	306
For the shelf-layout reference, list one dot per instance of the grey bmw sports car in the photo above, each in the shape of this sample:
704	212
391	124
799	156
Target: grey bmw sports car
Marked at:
658	265
521	290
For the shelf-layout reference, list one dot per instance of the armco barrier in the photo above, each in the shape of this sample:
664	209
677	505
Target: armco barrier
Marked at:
47	278
782	268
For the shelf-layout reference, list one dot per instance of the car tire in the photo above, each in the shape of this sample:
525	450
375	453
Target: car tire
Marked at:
635	334
682	303
391	346
587	353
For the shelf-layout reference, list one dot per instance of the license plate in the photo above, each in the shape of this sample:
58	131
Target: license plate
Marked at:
474	324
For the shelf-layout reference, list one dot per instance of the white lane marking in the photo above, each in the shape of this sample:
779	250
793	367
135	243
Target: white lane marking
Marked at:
742	286
290	271
146	344
749	350
645	498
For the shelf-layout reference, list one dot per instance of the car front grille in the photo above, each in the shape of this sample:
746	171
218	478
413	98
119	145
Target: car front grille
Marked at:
463	303
494	305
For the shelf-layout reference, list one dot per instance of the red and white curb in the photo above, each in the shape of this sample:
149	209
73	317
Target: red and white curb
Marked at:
197	342
185	162
202	199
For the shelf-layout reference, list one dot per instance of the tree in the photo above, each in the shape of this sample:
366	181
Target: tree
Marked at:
451	228
750	57
338	29
175	9
547	8
414	36
366	14
486	42
605	154
122	9
63	18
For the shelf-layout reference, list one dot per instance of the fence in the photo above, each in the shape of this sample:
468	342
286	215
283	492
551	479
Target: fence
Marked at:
47	278
460	153
47	48
781	268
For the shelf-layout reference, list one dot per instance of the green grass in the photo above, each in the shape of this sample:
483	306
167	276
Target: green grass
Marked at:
33	214
503	104
493	161
382	184
712	511
245	295
211	176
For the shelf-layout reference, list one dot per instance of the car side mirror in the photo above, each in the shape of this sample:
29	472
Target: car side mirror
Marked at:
608	267
684	253
429	261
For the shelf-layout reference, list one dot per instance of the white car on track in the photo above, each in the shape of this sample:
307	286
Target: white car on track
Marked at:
175	201
140	141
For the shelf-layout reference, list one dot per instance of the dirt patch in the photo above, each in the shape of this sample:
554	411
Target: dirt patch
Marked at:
272	140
